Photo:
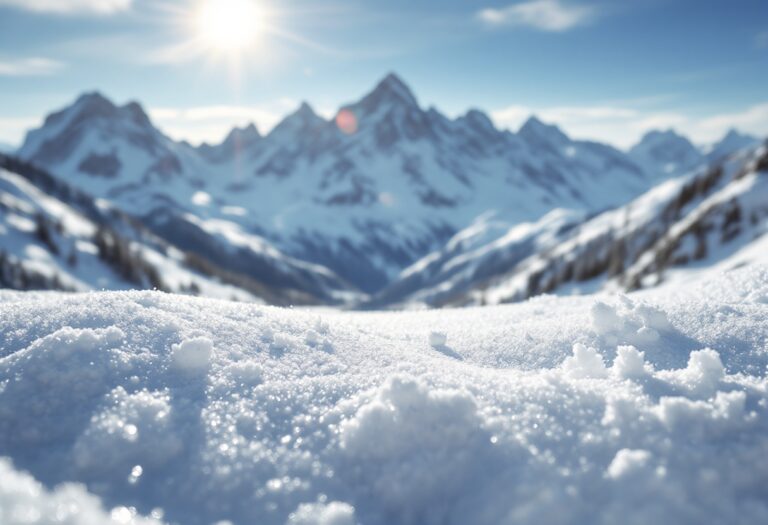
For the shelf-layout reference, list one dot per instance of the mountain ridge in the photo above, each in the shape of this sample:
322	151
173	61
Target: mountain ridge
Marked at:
364	203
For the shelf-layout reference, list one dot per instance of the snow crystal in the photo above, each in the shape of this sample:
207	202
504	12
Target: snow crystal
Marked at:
627	462
192	355
628	322
703	374
584	363
333	513
629	363
437	339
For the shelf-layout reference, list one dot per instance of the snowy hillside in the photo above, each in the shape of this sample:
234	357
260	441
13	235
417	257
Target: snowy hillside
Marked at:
647	408
364	201
688	223
54	237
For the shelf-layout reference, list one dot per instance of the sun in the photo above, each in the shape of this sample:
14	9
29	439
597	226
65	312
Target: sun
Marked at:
229	26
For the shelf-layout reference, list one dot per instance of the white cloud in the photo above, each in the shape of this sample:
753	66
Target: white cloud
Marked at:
617	125
546	15
624	126
13	129
751	120
70	6
212	123
29	67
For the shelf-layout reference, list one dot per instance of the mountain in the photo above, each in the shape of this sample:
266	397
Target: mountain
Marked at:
714	217
55	237
7	148
117	154
361	203
237	141
666	154
732	142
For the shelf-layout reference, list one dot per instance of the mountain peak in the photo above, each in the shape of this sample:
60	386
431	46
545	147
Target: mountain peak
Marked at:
305	112
303	118
655	140
538	130
390	90
479	118
246	132
93	104
734	135
237	141
92	97
136	113
88	105
731	142
658	134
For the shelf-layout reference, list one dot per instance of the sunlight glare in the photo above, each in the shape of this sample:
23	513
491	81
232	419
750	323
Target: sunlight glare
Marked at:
229	26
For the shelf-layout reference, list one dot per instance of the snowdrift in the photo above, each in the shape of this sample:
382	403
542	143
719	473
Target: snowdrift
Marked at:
147	408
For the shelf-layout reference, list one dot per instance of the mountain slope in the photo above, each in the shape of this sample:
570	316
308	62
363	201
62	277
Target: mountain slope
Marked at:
365	202
680	227
693	221
55	237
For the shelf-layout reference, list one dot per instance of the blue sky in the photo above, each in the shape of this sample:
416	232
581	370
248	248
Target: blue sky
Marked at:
601	69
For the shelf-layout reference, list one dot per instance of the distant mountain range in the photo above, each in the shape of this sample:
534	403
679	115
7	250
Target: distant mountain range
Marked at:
344	214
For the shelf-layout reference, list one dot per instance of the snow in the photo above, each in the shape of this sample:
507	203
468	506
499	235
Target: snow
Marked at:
24	501
628	462
193	355
143	407
438	339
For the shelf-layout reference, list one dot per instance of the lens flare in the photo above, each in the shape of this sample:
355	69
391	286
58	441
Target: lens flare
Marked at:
346	121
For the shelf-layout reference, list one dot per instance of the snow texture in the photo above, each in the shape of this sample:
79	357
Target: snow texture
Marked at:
142	407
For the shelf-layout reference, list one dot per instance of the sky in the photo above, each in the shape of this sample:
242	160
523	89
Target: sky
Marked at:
601	69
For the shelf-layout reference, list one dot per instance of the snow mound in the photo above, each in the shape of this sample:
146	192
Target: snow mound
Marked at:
193	355
198	411
24	501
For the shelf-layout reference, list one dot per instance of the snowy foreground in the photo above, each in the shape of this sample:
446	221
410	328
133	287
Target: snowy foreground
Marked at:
139	407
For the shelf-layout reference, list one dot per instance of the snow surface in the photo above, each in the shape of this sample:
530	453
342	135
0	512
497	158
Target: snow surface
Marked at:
645	408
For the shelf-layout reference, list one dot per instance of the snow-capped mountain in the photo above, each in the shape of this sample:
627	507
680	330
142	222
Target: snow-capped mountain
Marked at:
364	204
674	231
237	141
733	141
666	154
55	237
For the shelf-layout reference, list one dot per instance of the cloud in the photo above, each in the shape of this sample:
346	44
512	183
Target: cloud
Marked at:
103	7
212	123
751	120
546	15
12	129
30	67
623	126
